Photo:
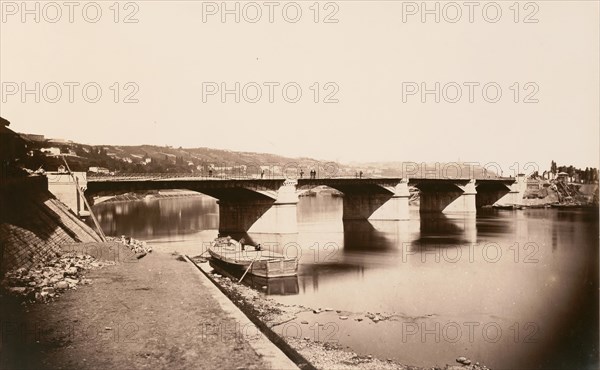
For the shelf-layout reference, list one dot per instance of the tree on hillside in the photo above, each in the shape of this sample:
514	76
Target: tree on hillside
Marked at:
588	175
553	167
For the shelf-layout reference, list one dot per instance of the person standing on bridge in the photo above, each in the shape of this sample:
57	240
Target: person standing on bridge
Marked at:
360	174
301	173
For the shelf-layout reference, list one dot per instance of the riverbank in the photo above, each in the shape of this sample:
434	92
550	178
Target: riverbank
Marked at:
66	268
153	312
151	195
312	332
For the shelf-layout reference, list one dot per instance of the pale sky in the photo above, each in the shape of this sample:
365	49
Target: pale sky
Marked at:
369	55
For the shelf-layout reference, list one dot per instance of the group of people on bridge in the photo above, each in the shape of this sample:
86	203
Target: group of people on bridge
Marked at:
313	174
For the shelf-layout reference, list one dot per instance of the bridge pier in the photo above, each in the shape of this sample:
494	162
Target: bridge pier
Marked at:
375	206
63	187
260	215
466	202
515	193
459	198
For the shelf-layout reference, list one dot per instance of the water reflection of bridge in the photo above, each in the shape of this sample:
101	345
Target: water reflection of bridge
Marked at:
353	247
269	205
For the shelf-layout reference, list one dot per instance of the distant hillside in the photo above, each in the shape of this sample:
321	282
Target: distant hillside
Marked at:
46	153
159	159
429	169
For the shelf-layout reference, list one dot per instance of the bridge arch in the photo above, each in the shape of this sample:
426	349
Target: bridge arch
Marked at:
269	205
255	206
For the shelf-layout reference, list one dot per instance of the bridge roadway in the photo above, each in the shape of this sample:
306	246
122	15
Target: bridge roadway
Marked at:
269	205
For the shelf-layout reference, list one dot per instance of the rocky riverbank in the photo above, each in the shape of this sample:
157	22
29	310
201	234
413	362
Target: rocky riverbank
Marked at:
322	351
67	269
47	281
136	246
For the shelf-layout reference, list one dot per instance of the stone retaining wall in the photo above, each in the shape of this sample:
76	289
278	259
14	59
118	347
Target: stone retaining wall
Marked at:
34	224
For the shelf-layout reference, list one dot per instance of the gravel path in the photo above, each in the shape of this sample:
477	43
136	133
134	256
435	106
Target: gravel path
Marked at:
150	313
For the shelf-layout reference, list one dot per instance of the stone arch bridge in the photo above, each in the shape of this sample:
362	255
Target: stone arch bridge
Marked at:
269	205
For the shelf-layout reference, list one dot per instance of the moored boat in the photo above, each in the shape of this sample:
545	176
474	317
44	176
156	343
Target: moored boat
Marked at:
285	285
255	260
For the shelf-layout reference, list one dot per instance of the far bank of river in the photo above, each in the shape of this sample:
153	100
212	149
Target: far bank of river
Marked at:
150	195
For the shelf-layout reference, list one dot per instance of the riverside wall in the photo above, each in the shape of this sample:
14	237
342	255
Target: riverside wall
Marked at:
34	224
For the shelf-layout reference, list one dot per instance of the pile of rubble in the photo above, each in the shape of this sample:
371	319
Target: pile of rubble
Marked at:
136	246
45	281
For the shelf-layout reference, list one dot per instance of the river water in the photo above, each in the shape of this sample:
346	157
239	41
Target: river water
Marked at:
510	289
